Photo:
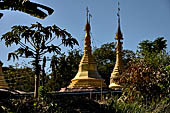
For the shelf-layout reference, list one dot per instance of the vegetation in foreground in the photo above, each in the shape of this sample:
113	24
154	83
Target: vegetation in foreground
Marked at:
146	81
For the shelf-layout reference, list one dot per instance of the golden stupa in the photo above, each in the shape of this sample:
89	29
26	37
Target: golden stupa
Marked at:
3	83
87	75
118	69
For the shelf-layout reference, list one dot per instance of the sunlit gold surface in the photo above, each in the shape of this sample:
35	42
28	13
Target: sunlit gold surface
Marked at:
87	75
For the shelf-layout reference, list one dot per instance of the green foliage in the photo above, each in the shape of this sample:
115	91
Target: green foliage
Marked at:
162	106
25	6
105	57
39	37
43	75
168	68
154	52
42	93
53	104
147	47
64	68
19	78
117	105
30	105
35	41
147	78
145	81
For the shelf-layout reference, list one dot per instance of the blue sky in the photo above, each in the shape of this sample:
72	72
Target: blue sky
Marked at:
140	20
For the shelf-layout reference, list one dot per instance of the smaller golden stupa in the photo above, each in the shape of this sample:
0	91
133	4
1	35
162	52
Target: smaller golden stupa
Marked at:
118	69
3	83
87	76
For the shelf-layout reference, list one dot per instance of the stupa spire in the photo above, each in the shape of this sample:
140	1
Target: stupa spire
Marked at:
118	69
87	26
87	42
119	35
87	76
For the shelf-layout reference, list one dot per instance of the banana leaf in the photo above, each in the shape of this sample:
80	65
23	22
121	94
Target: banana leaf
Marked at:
33	9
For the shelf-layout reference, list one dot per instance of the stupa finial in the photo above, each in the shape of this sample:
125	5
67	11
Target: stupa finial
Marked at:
87	26
87	13
118	14
119	35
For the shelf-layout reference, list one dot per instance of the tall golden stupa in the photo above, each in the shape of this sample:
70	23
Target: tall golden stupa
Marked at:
87	76
118	69
3	83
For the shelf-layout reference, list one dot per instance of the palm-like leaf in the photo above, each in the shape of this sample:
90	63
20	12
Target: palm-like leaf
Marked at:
13	54
25	6
1	15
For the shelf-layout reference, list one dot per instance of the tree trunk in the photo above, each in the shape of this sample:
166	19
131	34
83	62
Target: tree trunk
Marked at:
36	86
37	75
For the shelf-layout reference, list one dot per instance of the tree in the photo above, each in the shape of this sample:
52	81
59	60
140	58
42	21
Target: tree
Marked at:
43	71
53	65
64	68
148	47
150	51
105	57
147	77
35	42
25	6
19	78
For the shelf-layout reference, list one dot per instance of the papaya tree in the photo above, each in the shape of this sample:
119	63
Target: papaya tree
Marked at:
34	42
34	9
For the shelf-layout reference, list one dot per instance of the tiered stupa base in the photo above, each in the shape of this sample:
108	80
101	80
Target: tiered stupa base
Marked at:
115	76
115	86
83	85
91	82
